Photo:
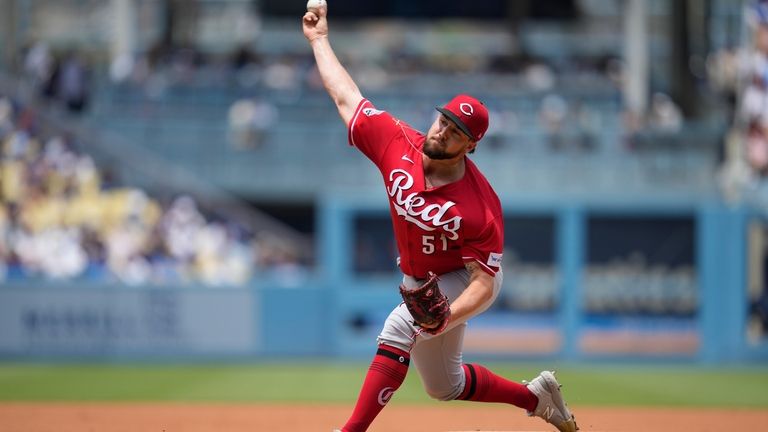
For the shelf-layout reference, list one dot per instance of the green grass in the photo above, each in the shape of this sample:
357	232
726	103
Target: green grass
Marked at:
672	386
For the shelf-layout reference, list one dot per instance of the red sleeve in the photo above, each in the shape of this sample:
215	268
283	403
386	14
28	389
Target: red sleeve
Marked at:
370	130
487	249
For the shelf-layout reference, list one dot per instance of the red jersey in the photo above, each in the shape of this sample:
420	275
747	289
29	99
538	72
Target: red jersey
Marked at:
439	229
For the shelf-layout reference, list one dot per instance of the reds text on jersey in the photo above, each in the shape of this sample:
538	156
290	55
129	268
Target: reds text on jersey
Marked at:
438	229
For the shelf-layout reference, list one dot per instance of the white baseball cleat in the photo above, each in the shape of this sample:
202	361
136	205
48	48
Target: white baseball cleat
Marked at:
551	407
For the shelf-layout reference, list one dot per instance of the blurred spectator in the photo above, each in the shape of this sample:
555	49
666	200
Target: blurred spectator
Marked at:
121	68
539	76
5	250
586	124
552	115
656	127
221	258
250	121
757	13
73	83
723	73
664	115
243	57
248	74
757	148
6	121
39	63
754	103
178	228
282	74
568	126
757	327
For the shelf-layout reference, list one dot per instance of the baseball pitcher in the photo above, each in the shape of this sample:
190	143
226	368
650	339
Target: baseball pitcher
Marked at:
449	229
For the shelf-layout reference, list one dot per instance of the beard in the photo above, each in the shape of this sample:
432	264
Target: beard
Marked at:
434	152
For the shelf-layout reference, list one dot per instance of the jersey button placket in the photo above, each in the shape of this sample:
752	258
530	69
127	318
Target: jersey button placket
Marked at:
411	232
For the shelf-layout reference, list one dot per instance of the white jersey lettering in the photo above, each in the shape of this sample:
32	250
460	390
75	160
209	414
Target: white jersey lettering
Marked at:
413	208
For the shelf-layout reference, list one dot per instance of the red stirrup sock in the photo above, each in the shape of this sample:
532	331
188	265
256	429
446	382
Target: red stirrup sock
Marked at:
483	385
386	373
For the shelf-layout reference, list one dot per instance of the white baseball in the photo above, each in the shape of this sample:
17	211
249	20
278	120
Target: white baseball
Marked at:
314	5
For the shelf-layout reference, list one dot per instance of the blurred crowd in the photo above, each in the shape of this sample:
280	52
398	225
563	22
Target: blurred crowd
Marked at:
754	97
268	80
61	218
563	120
380	68
137	237
566	105
740	73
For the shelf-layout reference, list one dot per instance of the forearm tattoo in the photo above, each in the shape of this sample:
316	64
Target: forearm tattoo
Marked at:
472	267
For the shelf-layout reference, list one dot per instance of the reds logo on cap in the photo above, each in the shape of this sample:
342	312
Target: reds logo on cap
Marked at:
469	114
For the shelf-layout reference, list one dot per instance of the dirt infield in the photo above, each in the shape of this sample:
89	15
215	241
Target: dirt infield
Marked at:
167	417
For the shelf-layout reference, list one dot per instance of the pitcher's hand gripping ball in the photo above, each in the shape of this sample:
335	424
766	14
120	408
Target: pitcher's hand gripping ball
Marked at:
314	5
428	305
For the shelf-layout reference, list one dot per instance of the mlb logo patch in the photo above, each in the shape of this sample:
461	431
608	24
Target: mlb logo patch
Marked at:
494	259
372	112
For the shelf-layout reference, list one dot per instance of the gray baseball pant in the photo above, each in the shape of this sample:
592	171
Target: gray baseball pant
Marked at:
438	358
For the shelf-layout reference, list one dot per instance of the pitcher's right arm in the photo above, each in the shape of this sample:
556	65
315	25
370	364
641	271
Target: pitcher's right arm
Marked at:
339	85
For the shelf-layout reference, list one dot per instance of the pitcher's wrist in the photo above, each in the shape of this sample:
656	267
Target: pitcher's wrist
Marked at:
318	37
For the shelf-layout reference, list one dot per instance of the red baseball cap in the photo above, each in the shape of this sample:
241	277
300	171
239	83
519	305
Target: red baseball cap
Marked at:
469	114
